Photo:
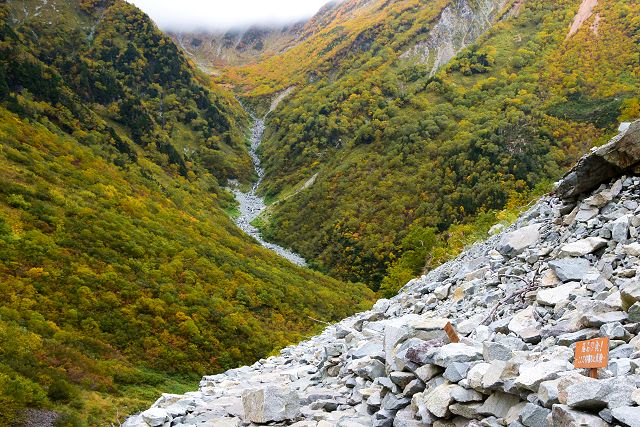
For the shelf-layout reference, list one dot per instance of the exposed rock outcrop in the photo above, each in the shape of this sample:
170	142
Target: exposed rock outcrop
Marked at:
459	25
520	301
621	155
584	13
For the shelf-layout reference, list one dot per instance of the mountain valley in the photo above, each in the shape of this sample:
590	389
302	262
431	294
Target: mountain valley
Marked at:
177	205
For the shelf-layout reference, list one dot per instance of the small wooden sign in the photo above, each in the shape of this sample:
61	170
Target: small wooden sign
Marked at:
592	354
451	332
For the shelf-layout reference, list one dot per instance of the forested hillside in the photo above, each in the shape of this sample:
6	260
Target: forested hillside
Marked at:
120	272
405	159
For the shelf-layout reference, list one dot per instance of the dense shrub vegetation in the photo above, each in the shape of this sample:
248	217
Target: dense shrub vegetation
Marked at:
121	276
401	156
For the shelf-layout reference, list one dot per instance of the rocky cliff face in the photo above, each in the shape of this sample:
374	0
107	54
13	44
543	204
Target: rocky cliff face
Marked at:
564	272
459	25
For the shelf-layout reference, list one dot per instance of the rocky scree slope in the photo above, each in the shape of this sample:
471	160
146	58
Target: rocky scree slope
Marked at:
236	47
564	272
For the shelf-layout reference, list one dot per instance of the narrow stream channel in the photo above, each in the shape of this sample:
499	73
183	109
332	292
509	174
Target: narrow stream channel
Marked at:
252	204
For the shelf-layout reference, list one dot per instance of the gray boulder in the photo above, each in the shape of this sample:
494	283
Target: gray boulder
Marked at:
534	416
496	351
564	416
437	401
368	368
517	241
592	319
620	230
595	395
589	395
621	154
498	404
570	269
465	395
634	312
271	404
156	416
456	352
627	415
456	371
615	331
583	247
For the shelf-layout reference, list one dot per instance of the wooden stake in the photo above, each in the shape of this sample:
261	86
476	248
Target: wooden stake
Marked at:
593	373
451	332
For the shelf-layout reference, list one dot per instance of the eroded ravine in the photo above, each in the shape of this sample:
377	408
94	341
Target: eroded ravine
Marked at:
251	204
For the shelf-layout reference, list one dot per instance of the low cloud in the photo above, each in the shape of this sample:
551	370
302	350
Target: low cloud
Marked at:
192	15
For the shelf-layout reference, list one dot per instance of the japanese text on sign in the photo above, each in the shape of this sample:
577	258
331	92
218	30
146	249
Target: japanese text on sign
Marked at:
592	353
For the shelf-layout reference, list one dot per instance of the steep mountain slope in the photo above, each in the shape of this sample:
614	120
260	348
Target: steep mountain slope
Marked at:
339	35
519	303
398	152
119	269
119	69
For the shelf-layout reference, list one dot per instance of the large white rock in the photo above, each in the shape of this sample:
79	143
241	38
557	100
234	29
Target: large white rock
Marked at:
155	416
559	294
563	416
493	377
586	212
498	404
517	241
477	373
583	247
135	421
395	331
620	230
627	415
548	392
456	352
533	374
524	324
632	249
438	400
271	403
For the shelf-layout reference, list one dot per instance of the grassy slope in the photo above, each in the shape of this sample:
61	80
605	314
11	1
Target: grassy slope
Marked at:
121	274
397	151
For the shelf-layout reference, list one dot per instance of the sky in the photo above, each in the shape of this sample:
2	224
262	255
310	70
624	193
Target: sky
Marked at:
190	15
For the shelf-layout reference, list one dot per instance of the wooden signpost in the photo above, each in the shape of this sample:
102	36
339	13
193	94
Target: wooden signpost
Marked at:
451	332
592	354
